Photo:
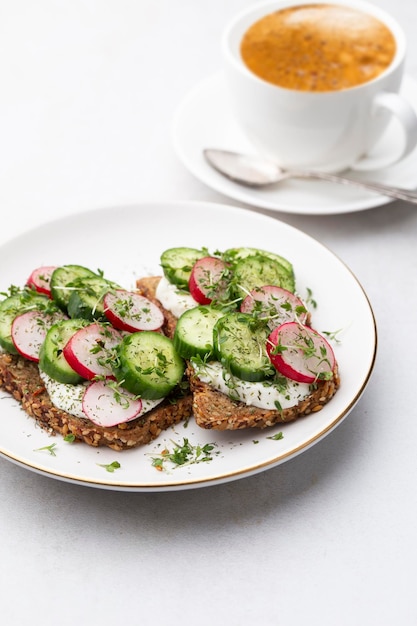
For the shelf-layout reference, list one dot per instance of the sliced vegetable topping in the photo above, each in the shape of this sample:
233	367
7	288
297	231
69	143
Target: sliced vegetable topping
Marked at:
234	254
300	353
194	331
208	279
61	282
148	365
107	405
51	356
90	351
131	312
87	295
29	331
40	279
274	304
17	303
239	344
177	264
254	271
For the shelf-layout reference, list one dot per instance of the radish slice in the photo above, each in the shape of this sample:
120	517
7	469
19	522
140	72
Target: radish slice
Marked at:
207	279
89	351
129	311
275	303
40	279
300	353
108	405
29	331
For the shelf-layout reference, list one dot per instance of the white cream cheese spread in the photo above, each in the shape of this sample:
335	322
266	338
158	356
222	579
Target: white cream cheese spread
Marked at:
173	299
281	394
69	397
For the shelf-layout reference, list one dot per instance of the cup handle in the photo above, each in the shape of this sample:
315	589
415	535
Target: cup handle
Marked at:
393	104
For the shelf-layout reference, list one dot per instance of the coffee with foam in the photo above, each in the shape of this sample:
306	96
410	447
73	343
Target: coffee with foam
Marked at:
318	47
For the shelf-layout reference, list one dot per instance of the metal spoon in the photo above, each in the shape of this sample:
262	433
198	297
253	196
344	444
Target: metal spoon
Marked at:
255	171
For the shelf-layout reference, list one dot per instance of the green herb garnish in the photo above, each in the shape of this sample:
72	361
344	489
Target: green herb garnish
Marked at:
50	449
110	467
277	436
184	454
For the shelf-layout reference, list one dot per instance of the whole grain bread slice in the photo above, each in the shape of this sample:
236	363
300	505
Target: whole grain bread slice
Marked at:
214	410
21	379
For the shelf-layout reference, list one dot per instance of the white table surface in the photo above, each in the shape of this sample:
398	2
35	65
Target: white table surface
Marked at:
88	93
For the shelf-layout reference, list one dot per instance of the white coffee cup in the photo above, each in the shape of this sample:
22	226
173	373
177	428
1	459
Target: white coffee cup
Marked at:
327	130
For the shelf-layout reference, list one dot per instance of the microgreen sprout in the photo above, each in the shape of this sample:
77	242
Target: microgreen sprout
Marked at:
184	454
50	449
277	436
333	335
310	300
110	467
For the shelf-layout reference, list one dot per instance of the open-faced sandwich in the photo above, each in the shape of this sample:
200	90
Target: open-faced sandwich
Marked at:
221	336
90	360
253	357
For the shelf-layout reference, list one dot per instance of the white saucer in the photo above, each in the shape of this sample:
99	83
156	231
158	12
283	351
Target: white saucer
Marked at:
204	120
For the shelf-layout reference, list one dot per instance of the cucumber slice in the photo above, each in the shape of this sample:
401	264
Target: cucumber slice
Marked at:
86	299
177	264
240	345
51	356
194	331
148	365
235	254
61	280
14	305
258	271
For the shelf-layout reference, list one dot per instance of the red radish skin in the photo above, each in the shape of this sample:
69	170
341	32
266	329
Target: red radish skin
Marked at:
277	303
207	279
89	348
300	353
131	312
29	331
40	279
107	405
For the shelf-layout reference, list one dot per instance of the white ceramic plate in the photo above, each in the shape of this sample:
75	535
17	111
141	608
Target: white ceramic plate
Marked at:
126	243
205	120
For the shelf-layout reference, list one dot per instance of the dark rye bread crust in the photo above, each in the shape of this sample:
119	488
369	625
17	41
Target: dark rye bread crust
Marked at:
21	379
214	410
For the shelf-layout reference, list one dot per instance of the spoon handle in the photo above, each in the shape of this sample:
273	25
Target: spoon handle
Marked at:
386	190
